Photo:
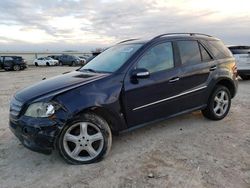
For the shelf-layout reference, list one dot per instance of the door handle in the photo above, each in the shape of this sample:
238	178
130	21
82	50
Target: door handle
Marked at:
174	79
213	68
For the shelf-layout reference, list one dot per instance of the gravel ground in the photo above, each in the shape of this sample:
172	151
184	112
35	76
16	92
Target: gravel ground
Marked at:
186	151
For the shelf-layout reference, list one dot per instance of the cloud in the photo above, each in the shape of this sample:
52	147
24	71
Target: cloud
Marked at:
103	22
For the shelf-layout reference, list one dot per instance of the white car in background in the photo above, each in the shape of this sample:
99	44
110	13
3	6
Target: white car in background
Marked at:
242	56
82	59
48	61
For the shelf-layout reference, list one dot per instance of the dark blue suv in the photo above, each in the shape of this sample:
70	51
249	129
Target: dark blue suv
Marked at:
128	85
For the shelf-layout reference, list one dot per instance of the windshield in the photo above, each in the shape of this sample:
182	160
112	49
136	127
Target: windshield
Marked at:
111	59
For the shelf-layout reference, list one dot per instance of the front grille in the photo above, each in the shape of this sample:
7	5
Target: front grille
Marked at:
15	107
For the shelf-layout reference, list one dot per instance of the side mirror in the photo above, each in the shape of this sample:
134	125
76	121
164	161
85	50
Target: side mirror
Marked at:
140	73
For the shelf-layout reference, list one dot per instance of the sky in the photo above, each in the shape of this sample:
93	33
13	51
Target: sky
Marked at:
55	25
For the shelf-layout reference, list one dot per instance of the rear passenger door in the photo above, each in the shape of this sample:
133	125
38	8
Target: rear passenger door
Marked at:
196	66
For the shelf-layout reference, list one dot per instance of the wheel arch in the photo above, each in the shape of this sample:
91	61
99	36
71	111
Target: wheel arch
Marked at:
115	122
227	83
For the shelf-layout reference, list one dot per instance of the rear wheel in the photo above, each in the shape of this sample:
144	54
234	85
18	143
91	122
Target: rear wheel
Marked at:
60	63
86	140
47	64
16	68
218	104
36	64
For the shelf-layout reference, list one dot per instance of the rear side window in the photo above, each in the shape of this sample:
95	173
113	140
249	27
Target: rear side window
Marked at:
218	49
205	56
189	52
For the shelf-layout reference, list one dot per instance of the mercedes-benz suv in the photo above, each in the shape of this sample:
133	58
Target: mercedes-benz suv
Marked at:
133	83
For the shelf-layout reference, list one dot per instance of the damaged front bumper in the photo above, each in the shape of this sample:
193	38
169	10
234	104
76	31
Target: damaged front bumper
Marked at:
37	134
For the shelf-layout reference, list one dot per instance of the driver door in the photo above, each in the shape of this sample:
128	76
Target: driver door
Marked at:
148	99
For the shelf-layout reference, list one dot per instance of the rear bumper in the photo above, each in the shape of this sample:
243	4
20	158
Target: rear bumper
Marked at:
36	135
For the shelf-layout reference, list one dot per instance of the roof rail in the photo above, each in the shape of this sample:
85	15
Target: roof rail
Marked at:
126	41
190	34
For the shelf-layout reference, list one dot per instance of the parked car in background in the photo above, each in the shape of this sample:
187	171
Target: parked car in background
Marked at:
129	85
48	61
83	60
69	60
56	57
242	56
15	63
94	54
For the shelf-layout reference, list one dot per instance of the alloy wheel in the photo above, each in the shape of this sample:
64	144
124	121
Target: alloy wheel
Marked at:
221	103
83	141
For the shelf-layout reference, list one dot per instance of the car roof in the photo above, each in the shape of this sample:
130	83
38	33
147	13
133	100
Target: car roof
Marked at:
184	36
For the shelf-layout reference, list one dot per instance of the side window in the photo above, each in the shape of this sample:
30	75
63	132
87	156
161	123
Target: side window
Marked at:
205	56
218	49
8	58
158	58
189	52
1	59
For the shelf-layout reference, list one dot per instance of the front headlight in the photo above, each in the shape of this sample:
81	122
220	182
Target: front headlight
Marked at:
40	109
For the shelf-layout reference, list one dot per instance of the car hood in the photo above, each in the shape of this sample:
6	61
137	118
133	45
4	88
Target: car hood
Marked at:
57	85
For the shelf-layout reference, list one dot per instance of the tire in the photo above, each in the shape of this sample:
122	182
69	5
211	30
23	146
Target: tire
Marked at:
36	64
60	63
219	103
245	77
73	63
47	64
75	145
16	68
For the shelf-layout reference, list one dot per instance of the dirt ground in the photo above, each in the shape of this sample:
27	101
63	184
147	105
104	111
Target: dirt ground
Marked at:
187	151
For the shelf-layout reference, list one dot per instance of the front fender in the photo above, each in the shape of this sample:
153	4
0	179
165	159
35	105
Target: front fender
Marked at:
96	95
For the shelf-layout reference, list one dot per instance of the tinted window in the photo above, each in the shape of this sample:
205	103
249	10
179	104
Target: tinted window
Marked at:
204	54
189	52
18	58
158	58
8	58
218	49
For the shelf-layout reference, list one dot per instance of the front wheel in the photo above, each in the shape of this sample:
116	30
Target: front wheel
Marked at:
218	104
16	68
86	140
